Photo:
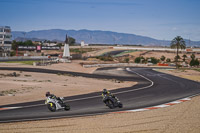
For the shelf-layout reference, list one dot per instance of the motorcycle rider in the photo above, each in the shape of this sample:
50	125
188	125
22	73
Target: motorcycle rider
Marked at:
106	92
48	94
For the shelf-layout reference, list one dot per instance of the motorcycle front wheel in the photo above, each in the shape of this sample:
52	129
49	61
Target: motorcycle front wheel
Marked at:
51	106
110	104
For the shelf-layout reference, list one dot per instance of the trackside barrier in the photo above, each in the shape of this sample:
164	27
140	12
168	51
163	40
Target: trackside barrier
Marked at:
160	64
149	49
115	65
22	58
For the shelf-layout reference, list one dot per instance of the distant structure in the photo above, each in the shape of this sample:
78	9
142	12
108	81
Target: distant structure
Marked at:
83	44
5	41
49	44
66	39
66	54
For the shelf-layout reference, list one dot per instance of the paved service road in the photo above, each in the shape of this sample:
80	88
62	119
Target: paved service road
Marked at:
153	88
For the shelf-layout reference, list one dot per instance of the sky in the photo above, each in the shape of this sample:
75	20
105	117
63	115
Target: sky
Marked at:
159	19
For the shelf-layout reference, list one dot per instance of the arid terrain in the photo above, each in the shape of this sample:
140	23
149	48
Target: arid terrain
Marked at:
30	86
179	118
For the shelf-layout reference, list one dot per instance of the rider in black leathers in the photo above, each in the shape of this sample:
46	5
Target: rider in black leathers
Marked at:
106	92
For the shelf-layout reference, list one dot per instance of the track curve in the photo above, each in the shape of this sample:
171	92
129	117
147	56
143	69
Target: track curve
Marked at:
153	88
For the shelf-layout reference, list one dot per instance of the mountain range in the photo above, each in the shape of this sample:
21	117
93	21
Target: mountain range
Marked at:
94	37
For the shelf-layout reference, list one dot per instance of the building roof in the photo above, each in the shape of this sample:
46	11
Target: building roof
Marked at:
5	27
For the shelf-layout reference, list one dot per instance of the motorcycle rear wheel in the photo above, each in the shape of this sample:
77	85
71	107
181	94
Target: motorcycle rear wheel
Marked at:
67	107
120	105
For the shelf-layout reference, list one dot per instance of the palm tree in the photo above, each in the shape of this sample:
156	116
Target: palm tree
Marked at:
178	43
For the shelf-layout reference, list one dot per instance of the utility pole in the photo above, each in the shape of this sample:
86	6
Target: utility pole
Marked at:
24	33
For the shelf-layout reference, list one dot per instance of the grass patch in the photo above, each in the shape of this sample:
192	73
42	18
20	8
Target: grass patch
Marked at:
42	80
21	80
27	75
11	91
105	58
14	74
82	50
196	69
124	53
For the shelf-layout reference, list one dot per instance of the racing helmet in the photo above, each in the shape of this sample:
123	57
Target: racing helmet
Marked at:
48	94
105	91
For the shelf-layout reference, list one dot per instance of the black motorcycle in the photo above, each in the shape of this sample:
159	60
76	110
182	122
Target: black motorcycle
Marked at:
112	101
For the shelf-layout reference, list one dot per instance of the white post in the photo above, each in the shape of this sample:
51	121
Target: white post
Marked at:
66	51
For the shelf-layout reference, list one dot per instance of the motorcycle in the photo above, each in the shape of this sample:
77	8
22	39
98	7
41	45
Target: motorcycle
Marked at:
112	101
55	104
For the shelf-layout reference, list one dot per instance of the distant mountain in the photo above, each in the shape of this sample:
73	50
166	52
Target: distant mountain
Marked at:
21	39
95	37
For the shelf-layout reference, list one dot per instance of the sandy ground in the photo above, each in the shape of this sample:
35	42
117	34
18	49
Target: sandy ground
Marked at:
179	118
170	55
29	86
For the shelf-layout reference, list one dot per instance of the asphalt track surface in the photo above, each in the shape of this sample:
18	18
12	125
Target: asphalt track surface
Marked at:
153	88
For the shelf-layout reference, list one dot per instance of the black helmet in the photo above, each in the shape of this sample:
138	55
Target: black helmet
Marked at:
105	91
48	94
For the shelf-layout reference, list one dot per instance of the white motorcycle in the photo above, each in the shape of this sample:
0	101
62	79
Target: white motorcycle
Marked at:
55	104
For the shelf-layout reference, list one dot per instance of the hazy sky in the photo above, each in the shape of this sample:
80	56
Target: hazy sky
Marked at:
160	19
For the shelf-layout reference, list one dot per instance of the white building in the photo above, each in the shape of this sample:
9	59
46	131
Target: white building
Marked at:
83	44
49	44
5	40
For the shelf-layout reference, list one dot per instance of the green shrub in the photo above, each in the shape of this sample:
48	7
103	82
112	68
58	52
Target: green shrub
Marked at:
13	53
162	58
168	60
105	58
154	60
126	60
194	62
139	59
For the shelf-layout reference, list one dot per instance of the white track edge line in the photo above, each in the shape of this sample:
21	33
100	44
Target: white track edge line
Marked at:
128	69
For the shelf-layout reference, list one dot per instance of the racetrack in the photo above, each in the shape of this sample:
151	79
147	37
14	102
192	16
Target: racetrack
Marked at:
153	88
